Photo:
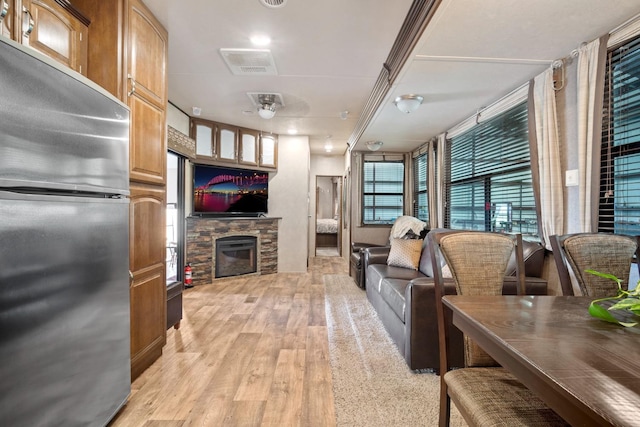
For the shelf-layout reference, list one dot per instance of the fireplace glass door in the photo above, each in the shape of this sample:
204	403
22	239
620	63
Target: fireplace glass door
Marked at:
235	255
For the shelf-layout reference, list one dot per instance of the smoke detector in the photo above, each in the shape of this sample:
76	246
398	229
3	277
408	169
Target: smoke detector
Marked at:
273	4
249	62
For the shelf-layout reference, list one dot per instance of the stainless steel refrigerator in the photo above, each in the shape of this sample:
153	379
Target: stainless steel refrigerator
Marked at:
64	245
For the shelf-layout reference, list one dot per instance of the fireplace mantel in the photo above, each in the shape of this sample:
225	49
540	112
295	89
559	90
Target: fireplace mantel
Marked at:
202	232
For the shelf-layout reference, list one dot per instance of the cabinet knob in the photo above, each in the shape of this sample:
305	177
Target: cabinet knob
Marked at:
27	22
133	85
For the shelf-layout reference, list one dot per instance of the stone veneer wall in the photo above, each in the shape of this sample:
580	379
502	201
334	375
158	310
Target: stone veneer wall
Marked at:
202	233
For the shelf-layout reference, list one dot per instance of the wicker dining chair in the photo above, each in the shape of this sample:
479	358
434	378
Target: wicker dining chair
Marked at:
602	252
484	393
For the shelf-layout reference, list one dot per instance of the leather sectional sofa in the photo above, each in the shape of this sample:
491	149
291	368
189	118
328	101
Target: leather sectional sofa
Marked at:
405	302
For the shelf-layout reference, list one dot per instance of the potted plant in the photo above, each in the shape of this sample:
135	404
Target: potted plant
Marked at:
626	304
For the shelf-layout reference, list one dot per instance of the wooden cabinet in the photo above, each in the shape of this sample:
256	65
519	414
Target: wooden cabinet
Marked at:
227	143
52	27
219	143
203	132
148	287
128	57
268	151
248	147
7	18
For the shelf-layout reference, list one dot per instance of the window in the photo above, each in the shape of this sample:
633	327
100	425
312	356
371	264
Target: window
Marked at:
619	210
383	190
489	185
420	187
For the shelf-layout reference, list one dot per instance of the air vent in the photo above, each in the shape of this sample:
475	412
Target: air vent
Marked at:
255	98
249	62
273	4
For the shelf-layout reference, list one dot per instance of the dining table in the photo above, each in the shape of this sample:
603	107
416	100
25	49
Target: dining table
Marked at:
585	369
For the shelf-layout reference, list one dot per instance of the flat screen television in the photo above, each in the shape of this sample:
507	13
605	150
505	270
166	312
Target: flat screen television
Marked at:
229	191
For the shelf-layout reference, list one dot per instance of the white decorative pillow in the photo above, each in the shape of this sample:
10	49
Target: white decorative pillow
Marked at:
405	253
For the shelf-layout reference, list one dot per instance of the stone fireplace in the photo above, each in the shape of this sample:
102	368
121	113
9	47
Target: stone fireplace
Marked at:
239	235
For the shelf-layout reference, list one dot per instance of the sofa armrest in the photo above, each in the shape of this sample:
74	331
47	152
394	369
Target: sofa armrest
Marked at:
375	255
357	246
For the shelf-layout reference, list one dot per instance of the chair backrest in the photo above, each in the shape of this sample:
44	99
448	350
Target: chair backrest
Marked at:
602	252
477	261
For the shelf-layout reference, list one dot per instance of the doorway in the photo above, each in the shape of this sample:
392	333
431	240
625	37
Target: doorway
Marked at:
174	211
328	217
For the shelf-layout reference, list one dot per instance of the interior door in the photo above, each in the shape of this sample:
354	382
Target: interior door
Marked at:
328	216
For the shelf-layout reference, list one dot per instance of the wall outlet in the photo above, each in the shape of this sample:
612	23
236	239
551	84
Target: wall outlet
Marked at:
571	178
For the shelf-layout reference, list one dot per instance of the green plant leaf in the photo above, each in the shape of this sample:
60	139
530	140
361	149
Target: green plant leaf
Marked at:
604	275
602	313
626	304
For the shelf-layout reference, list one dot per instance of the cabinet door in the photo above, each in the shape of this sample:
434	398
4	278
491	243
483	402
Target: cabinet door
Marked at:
203	132
56	33
147	51
268	151
147	55
227	143
146	262
7	14
248	147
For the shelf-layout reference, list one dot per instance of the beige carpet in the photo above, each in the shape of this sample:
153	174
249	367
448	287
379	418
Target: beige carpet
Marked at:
372	384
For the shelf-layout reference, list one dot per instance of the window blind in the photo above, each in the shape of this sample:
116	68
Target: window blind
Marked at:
488	176
619	209
383	187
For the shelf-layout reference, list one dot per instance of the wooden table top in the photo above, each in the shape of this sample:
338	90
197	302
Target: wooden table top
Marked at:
586	369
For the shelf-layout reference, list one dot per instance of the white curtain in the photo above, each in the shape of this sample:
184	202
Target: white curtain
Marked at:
589	111
549	167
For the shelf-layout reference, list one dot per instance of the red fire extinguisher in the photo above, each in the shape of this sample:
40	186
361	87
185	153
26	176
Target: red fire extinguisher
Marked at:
187	276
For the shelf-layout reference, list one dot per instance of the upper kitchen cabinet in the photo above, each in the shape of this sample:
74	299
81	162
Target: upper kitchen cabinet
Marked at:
53	27
227	143
248	142
218	143
203	132
128	57
146	61
7	18
268	151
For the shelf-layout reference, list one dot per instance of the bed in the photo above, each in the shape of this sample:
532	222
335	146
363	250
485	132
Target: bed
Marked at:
326	232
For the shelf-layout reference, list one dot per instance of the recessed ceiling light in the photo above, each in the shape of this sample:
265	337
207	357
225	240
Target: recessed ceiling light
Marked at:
260	40
292	131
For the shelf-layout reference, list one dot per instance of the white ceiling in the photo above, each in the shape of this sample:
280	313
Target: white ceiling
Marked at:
329	54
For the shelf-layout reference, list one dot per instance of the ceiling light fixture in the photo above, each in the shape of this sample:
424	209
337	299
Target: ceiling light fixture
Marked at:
196	111
267	108
374	145
260	40
408	103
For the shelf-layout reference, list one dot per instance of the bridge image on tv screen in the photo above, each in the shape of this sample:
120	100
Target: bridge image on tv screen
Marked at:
228	190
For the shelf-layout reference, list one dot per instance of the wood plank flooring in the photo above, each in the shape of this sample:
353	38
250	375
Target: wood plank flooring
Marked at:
249	352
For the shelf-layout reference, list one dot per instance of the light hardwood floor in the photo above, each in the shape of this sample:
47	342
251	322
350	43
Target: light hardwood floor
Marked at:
249	352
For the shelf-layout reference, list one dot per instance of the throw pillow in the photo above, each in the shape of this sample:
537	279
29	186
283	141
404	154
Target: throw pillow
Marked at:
405	253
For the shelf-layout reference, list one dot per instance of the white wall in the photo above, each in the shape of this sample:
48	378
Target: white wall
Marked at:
289	200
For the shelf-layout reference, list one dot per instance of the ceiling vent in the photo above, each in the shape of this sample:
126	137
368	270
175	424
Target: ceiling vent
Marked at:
273	4
258	98
249	62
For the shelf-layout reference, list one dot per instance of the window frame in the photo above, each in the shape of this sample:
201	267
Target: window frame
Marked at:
620	142
381	159
493	161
